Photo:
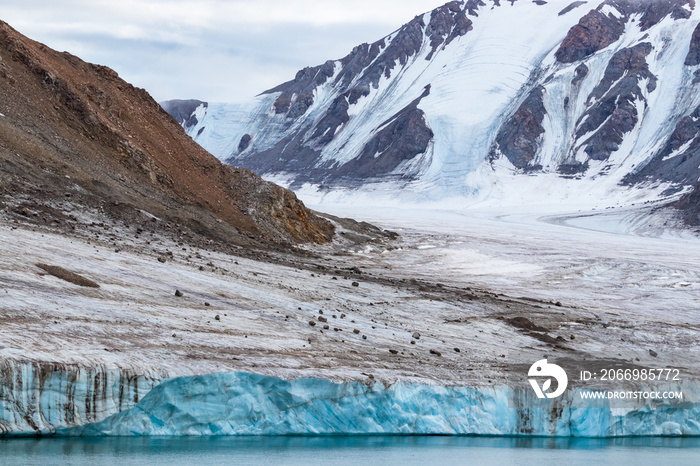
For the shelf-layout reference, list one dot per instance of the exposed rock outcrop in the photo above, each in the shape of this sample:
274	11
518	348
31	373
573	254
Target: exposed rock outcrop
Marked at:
297	95
594	32
689	204
614	112
600	27
679	159
518	137
446	23
336	116
244	142
572	6
693	57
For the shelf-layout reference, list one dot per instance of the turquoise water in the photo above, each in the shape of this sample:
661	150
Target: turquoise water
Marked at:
367	451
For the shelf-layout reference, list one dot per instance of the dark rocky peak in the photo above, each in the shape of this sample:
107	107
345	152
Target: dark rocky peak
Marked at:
183	111
369	61
631	63
405	43
354	63
472	6
365	65
297	95
446	23
656	10
598	29
594	32
306	78
652	11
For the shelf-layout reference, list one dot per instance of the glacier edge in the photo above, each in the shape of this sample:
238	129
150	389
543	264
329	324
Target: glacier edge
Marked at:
53	399
241	403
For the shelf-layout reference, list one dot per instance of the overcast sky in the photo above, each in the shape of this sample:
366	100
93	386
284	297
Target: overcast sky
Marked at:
214	50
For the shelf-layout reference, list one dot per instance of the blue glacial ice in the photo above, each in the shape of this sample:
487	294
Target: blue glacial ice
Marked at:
57	399
248	404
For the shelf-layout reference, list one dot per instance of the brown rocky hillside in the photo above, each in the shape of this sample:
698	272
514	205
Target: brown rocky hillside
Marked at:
75	134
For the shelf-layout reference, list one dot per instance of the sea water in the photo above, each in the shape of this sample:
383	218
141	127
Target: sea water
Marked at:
341	450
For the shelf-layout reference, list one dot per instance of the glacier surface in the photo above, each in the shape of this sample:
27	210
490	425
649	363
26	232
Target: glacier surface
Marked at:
605	282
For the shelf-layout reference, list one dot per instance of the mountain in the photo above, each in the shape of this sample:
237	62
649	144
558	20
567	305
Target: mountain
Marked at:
489	100
77	143
148	289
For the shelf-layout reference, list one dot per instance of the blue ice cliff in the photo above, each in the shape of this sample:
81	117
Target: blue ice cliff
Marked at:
70	403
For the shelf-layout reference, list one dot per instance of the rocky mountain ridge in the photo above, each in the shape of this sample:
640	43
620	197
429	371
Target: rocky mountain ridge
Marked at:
479	94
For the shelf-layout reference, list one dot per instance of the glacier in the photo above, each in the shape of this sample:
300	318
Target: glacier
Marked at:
67	401
240	403
133	359
37	397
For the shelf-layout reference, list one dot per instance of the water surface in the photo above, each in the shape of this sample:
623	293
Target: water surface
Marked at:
380	450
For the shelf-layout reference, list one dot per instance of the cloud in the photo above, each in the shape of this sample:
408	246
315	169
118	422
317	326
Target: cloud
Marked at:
214	50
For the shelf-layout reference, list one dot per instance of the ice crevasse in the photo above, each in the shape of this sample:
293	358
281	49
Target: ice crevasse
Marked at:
239	403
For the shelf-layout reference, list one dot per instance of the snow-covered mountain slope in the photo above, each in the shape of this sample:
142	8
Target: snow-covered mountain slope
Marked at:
476	97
